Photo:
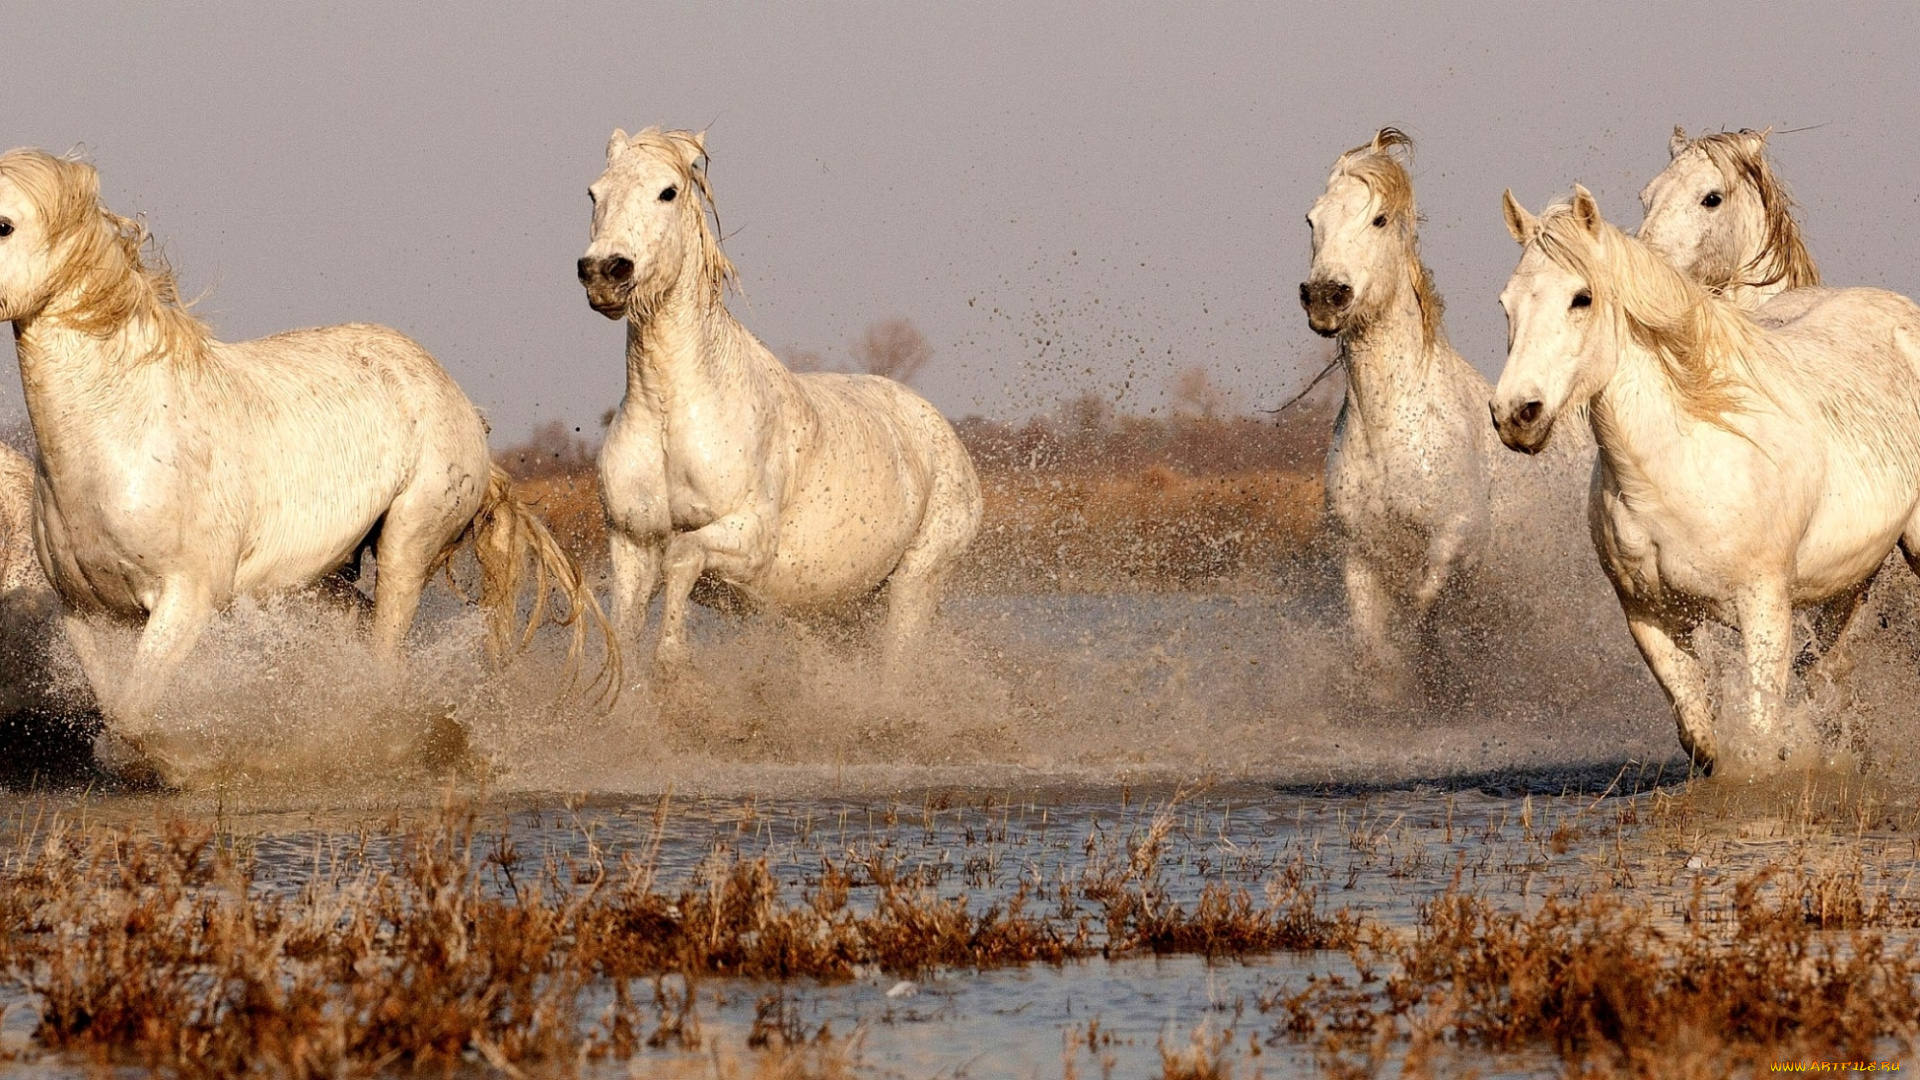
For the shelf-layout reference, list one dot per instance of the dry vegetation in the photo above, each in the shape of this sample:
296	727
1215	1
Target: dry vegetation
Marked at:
440	946
1614	991
435	946
1082	500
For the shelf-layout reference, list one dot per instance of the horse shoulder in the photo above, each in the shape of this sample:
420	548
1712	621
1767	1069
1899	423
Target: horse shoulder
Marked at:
633	473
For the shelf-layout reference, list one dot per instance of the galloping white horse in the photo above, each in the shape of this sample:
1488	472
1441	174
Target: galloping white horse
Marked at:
794	491
1718	214
1407	486
1744	470
178	472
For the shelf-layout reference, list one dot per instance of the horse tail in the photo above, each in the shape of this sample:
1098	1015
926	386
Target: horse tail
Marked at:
508	538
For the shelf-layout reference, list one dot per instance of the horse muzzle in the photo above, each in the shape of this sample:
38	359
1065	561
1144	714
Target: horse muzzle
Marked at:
609	283
1326	303
1523	426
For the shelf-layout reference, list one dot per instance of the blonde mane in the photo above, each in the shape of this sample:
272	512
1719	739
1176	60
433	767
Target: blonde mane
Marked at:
687	151
107	263
1701	341
1376	165
1741	156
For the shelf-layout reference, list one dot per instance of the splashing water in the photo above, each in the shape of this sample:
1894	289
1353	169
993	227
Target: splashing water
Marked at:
1528	666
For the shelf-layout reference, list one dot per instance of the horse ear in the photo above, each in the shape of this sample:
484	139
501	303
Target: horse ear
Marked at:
1585	210
617	144
1522	225
1679	142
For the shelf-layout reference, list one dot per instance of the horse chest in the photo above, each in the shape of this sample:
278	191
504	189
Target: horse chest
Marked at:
1646	561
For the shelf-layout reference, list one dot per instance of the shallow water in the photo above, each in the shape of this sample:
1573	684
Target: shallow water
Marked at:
1511	837
1037	732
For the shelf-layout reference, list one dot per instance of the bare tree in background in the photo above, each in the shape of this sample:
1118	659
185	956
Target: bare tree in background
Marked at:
804	360
894	348
1195	396
1086	413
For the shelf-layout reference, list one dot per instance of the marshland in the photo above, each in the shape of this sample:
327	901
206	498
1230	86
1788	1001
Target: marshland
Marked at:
931	568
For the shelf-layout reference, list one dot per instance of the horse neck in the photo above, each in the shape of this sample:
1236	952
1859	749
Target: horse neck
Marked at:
1637	417
689	348
1390	361
70	376
1754	253
1751	297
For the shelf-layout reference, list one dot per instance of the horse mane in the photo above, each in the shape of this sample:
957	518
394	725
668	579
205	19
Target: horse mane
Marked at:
111	265
1783	259
1701	340
1375	164
687	151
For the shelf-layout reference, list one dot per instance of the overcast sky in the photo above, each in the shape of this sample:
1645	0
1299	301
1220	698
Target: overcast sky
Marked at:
1062	197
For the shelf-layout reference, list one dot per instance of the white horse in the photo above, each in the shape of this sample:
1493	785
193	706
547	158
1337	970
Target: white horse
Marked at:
1407	484
178	472
1744	470
1718	213
798	492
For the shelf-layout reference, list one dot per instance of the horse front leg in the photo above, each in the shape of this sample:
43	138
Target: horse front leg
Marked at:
636	573
86	648
1826	660
1370	611
174	625
1666	644
1766	633
738	547
1445	552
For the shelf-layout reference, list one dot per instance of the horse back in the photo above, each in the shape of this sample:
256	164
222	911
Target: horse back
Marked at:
339	421
872	460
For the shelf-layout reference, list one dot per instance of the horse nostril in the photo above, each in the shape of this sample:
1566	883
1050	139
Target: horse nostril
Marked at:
584	269
1528	413
1340	293
1306	295
619	268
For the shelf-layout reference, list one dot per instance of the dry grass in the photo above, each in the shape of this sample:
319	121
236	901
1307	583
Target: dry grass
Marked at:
434	948
1614	991
1155	528
1046	531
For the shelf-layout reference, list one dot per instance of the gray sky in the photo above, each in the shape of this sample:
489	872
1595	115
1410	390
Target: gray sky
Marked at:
1062	197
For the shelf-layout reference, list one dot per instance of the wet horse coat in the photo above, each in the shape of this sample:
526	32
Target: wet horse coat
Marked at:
1744	471
797	492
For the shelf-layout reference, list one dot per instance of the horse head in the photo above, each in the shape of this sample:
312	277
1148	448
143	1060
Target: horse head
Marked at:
650	229
1717	213
46	202
1364	240
1557	354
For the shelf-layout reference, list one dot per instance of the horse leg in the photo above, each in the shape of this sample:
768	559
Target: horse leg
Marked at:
1826	656
86	648
636	572
736	546
1667	647
1443	557
174	625
415	533
1766	633
913	589
1370	609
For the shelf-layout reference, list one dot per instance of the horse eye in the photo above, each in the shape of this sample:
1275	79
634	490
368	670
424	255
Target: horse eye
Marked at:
1583	298
1380	222
1712	200
667	195
6	228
